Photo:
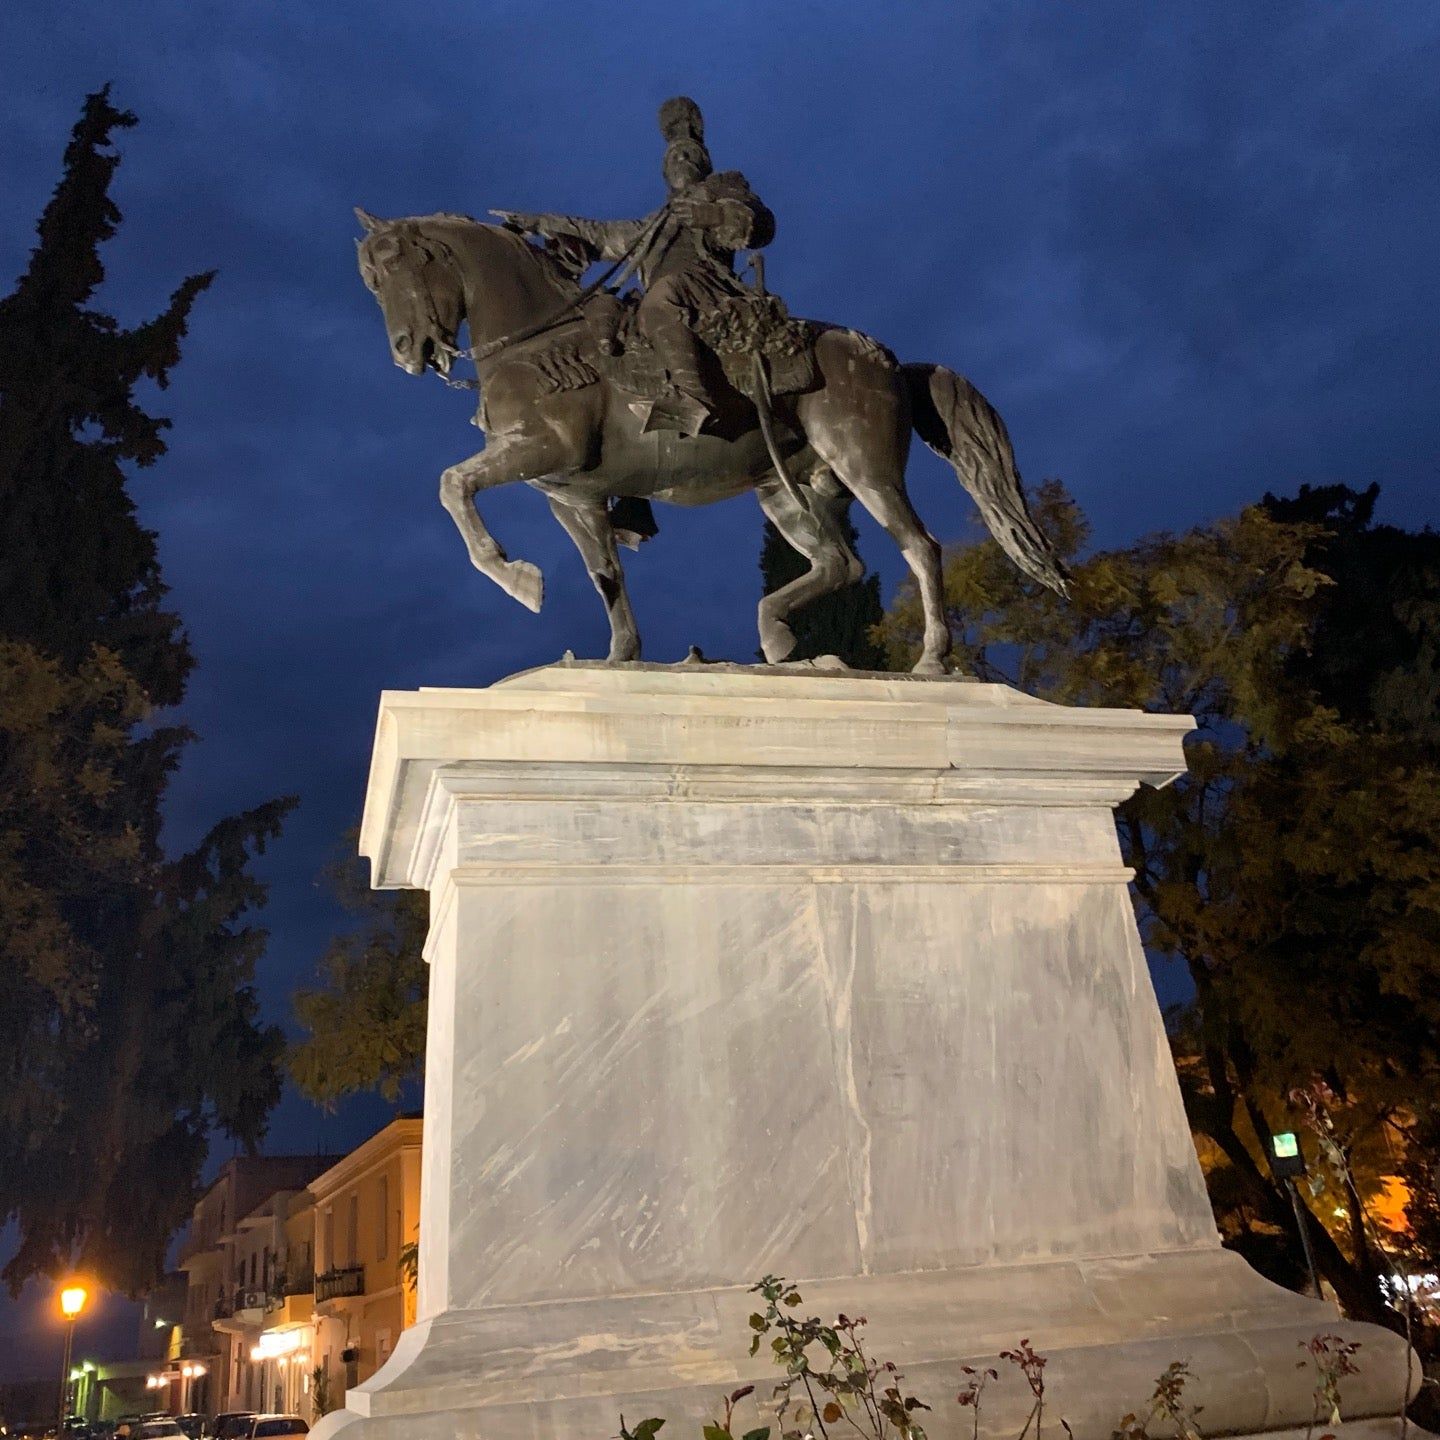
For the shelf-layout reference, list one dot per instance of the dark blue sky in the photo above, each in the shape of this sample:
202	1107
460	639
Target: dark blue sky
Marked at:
1188	250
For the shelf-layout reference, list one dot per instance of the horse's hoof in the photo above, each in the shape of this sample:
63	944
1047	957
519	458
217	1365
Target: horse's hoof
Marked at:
523	582
928	666
777	642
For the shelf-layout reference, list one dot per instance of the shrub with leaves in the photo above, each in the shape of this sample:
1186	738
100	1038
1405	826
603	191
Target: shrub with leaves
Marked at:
1167	1406
1333	1358
841	1383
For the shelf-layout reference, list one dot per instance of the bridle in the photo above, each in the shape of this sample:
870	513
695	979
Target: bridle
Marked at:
435	251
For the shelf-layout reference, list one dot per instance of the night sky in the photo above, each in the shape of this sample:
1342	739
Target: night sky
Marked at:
1188	250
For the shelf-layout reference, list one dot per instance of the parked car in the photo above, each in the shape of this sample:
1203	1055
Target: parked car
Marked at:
165	1429
193	1425
264	1425
232	1425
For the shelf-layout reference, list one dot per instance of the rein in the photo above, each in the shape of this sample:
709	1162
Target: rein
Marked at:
573	305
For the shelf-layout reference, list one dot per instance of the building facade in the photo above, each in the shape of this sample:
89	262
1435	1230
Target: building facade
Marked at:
234	1259
367	1216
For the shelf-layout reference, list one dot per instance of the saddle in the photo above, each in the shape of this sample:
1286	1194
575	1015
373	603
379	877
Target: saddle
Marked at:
733	332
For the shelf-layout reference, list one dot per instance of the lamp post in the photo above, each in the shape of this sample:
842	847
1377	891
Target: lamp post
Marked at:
73	1296
1287	1163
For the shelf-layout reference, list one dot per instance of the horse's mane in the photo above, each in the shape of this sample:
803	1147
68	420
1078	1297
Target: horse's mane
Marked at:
523	249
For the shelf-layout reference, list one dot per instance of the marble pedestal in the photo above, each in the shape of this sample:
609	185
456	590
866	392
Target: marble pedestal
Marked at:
738	970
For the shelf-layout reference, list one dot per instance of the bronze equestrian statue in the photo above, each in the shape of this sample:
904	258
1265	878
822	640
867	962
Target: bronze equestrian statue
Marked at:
694	390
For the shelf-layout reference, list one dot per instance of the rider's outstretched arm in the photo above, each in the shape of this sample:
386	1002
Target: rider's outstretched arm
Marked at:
610	239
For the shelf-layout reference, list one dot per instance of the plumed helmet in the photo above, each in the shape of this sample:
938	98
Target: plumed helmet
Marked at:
680	119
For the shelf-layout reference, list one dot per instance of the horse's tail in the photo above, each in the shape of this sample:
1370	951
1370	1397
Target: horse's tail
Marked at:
960	425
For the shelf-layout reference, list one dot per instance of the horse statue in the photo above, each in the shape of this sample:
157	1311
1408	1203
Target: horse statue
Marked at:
555	420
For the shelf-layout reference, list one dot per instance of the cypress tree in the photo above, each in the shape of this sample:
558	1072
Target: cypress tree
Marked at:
836	624
129	1024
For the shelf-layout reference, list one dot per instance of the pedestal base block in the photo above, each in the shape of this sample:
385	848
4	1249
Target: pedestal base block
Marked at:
560	1371
748	970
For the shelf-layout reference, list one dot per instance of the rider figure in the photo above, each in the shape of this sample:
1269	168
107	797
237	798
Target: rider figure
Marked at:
686	261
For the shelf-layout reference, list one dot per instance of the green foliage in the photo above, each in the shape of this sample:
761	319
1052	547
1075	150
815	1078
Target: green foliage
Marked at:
836	624
321	1400
129	1027
1167	1408
365	1020
1332	1358
79	568
645	1430
843	1386
409	1264
1295	870
828	1363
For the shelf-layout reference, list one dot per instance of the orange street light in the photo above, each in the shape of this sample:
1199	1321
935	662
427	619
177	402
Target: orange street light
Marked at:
73	1296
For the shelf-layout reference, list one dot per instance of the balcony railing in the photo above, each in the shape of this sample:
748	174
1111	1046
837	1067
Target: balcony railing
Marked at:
301	1283
340	1284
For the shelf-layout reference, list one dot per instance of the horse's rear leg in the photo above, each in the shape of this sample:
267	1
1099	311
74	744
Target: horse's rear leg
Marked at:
587	522
869	461
818	535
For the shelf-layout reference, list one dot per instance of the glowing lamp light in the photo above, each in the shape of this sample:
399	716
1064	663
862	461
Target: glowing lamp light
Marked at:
1286	1161
275	1343
72	1300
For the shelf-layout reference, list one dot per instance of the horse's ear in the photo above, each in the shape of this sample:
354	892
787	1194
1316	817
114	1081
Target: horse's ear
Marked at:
372	223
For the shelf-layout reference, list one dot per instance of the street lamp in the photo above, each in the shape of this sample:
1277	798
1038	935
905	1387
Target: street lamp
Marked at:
73	1296
1287	1164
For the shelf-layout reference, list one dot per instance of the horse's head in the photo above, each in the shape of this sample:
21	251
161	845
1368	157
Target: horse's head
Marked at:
414	278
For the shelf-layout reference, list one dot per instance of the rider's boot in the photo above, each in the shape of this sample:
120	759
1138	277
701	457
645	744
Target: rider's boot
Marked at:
683	406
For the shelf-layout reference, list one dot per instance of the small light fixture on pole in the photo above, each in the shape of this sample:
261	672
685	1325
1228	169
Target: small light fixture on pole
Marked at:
1287	1164
73	1296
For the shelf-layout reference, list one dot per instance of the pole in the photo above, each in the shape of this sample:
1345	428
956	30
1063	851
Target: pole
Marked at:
1300	1218
65	1374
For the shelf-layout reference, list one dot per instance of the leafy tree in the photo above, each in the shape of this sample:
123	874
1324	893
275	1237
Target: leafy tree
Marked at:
129	1027
1295	869
836	624
366	1017
1374	657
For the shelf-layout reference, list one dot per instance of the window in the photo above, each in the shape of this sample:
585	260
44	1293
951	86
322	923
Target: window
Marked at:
382	1346
353	1238
252	1269
382	1235
329	1256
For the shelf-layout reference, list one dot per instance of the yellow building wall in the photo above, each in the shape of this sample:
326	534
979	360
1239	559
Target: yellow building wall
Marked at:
367	1210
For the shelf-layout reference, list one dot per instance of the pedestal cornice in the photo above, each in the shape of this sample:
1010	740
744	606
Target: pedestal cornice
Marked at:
716	734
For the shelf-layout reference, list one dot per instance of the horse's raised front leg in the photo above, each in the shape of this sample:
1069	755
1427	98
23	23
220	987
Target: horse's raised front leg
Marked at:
523	457
587	522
